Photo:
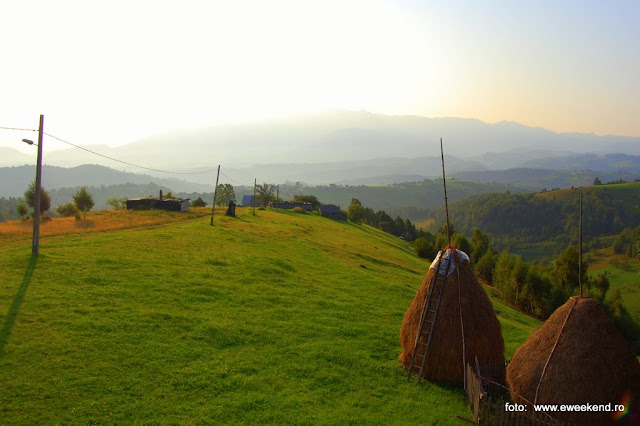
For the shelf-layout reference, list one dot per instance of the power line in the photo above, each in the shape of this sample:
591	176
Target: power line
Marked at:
17	128
125	162
233	180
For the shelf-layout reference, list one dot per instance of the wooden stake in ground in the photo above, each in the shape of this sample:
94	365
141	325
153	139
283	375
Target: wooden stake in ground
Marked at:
446	204
215	195
580	248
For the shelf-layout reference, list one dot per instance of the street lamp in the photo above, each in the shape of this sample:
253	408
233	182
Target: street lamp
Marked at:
35	245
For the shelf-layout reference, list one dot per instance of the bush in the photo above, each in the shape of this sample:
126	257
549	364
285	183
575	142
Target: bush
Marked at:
83	200
424	248
117	203
198	202
67	210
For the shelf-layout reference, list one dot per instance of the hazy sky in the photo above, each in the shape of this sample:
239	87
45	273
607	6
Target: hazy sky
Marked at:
120	70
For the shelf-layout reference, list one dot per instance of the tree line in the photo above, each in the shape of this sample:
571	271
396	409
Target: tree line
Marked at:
531	218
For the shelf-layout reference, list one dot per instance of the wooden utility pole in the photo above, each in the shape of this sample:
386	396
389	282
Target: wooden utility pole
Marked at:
278	197
255	181
215	196
446	204
580	248
35	247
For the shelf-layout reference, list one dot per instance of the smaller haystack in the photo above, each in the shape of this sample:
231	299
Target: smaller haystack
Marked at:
587	362
463	298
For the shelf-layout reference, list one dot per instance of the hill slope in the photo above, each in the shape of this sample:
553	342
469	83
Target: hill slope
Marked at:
274	318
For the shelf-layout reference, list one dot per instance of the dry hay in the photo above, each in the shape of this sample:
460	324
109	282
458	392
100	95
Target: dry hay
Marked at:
592	363
482	334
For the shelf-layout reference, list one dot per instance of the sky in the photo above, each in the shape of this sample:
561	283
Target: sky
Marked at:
114	72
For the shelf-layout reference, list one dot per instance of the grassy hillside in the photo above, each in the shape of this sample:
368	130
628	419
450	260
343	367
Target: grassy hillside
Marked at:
623	276
275	318
626	192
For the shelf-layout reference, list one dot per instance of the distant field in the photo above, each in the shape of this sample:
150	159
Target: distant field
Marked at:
629	191
425	224
537	251
277	318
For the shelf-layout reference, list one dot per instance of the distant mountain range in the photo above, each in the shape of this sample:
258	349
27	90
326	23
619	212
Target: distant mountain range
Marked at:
341	136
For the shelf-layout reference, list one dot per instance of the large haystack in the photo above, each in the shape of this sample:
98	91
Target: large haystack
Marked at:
463	296
591	364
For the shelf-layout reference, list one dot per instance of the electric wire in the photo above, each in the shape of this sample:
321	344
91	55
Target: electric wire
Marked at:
17	128
125	162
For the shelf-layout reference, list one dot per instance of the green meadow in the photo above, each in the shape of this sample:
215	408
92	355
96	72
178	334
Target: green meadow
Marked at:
273	318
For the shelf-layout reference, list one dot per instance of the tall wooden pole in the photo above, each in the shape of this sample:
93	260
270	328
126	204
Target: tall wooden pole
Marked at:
446	204
215	196
255	181
580	248
35	247
278	197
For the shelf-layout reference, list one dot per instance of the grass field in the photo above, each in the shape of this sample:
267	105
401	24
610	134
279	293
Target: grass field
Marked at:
277	318
624	275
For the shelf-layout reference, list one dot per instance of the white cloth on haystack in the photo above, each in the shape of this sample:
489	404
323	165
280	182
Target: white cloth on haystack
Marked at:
452	264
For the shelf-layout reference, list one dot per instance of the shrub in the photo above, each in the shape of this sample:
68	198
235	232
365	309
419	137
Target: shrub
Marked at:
117	203
198	202
67	210
84	200
424	248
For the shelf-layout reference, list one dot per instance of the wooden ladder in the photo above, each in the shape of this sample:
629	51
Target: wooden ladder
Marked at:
428	317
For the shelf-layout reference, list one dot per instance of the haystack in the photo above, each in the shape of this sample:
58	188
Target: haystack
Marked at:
463	298
587	362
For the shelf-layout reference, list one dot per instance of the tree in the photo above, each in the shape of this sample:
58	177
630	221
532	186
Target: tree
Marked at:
355	212
225	194
198	202
117	203
67	210
45	200
566	270
311	199
22	209
425	248
479	244
485	266
597	181
265	193
83	200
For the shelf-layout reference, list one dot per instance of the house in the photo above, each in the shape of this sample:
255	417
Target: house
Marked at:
148	203
251	201
332	212
291	205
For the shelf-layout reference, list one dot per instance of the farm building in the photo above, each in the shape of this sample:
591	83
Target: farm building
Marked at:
287	205
147	203
332	212
449	333
578	357
251	201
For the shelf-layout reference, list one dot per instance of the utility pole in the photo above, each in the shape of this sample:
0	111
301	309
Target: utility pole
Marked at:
446	205
35	247
215	195
255	181
278	197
